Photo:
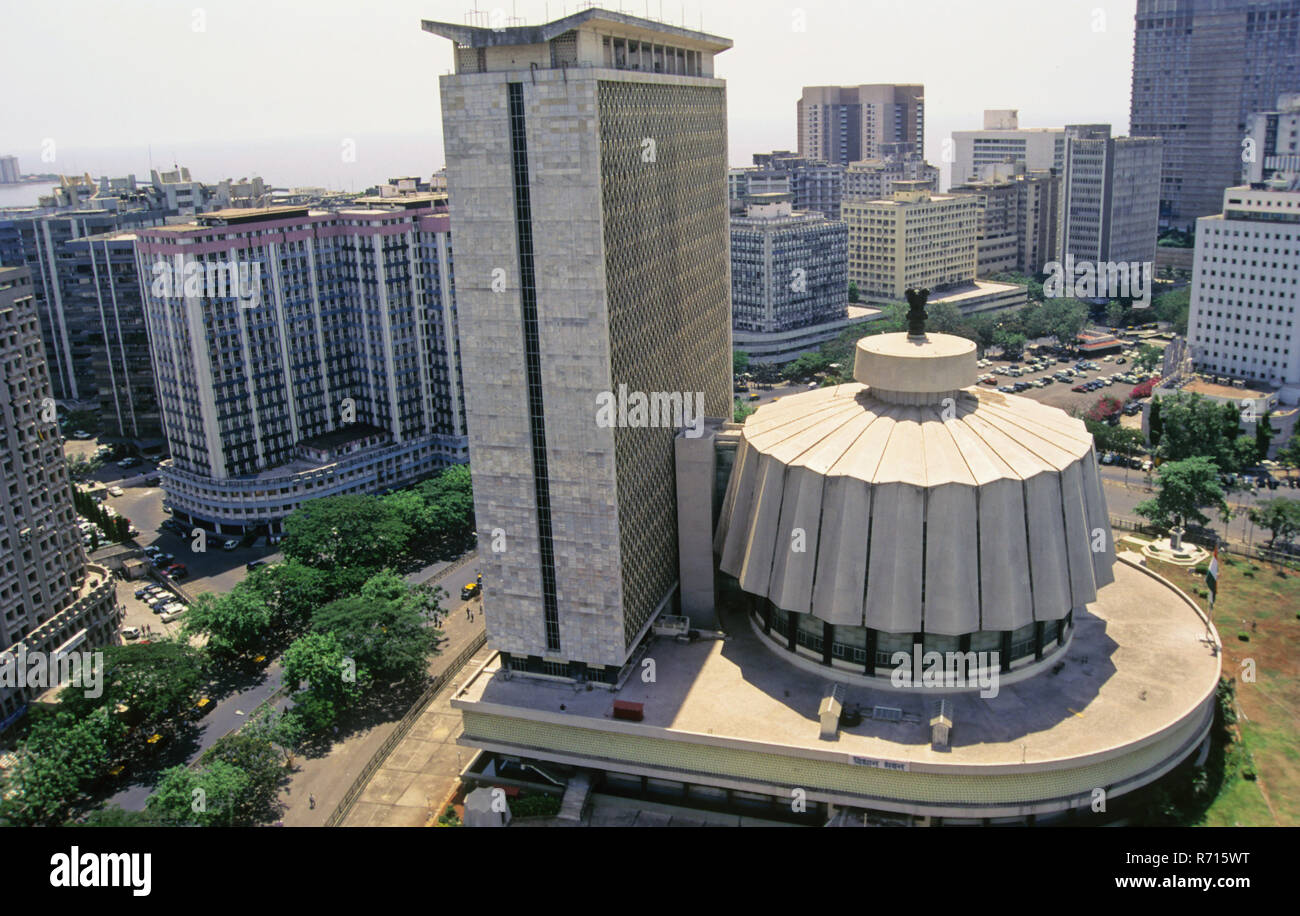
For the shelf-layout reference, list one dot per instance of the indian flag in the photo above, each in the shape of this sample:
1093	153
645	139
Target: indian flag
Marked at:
1212	576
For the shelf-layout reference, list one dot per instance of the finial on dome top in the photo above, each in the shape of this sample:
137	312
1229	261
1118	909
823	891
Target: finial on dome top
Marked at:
916	313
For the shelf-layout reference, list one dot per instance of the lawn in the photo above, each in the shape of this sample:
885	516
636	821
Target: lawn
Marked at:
1257	614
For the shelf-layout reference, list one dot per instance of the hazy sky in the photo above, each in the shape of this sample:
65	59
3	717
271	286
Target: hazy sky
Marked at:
274	87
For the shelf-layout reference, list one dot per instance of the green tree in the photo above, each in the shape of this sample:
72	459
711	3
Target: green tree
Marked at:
352	531
449	511
943	318
1155	423
1192	425
766	373
1173	307
1264	433
1182	489
252	750
62	756
853	291
291	590
1280	516
805	367
335	682
739	363
1116	313
214	795
1120	439
742	410
1063	319
1012	344
235	623
981	328
384	628
1148	357
154	682
1289	454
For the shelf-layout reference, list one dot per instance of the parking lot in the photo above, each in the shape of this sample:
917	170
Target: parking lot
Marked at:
211	570
139	614
1060	394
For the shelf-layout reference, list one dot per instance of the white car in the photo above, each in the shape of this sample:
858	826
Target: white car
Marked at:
114	491
169	616
130	632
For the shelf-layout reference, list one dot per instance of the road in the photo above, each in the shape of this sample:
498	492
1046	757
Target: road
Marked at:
1123	496
228	715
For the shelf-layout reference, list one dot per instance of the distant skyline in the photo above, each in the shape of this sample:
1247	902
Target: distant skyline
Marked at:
223	88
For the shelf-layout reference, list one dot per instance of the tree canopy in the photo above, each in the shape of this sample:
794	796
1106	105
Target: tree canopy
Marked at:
1183	488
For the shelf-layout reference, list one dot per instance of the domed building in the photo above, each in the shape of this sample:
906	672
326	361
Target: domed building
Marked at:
908	508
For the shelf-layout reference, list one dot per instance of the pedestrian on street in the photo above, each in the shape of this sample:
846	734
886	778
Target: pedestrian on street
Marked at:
311	802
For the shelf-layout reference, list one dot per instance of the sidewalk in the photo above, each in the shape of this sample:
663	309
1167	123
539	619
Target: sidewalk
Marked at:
422	769
328	778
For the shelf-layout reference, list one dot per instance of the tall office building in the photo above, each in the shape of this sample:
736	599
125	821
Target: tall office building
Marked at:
815	184
71	321
9	172
587	167
1003	140
844	124
325	363
1017	217
1242	323
914	239
789	279
105	296
1200	69
51	599
1110	196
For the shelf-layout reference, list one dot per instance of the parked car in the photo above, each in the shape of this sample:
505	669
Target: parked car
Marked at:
169	616
230	545
253	564
131	633
988	380
1079	388
115	491
128	462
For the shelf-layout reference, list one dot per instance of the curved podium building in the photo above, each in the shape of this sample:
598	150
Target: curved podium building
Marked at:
914	614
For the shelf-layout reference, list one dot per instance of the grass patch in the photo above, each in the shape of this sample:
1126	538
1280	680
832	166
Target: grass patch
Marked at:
1258	608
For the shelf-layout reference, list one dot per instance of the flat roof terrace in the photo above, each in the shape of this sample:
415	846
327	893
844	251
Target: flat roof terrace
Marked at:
1130	694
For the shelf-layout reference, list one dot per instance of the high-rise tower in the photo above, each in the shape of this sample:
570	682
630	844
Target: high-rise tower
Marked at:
51	599
1199	71
587	168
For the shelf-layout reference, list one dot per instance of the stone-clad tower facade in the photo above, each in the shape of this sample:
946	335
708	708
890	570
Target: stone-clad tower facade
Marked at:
587	167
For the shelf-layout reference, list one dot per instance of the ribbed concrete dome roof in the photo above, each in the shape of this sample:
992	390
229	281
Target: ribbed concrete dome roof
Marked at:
971	511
